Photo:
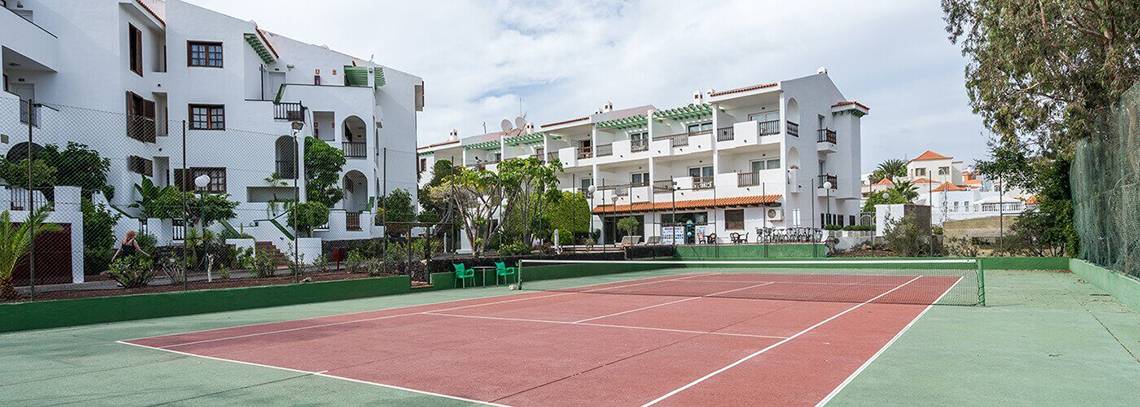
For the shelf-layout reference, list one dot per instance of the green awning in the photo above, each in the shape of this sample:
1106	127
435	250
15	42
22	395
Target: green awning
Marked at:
486	145
685	112
355	75
260	48
379	77
532	138
630	122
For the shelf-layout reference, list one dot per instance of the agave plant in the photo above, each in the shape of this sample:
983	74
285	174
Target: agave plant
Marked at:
14	243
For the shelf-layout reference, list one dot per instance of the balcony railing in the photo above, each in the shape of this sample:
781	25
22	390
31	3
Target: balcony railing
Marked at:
19	198
702	183
291	111
826	136
638	145
141	128
678	140
770	127
585	152
642	183
354	149
621	190
605	150
552	156
825	178
352	221
793	129
725	134
747	179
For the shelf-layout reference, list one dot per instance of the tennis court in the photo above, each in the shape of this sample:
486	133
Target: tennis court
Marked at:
668	333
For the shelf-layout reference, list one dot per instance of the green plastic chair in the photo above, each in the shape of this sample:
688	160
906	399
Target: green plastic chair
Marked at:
463	273
501	270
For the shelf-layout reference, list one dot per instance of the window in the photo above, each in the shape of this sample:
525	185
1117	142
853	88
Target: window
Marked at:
734	219
639	179
204	54
920	172
585	183
139	165
774	164
943	170
217	176
423	165
207	117
706	171
135	56
140	118
700	128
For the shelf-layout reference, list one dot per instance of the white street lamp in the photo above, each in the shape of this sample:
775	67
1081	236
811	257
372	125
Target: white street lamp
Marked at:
201	181
827	187
590	192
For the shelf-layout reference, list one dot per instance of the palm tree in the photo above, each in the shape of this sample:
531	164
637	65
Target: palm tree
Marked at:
906	190
14	242
891	169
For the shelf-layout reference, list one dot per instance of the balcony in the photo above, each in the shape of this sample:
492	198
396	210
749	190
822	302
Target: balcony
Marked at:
585	152
825	142
605	150
822	180
639	145
677	140
291	111
354	149
724	134
141	128
747	179
772	127
552	156
700	183
793	129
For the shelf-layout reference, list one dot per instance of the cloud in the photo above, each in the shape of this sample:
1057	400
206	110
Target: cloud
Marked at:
564	59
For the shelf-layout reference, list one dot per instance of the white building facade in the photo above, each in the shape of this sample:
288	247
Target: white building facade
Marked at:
727	164
237	88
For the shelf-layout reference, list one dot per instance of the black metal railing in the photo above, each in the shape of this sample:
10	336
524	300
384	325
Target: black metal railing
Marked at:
825	178
747	179
354	149
770	127
291	111
826	136
141	128
637	145
19	198
725	134
585	152
352	221
702	183
664	185
793	129
552	156
605	150
678	140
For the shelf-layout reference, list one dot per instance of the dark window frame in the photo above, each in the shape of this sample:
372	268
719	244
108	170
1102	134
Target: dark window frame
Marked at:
208	122
134	49
729	223
205	60
217	183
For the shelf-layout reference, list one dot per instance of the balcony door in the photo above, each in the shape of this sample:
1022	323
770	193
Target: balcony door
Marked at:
706	171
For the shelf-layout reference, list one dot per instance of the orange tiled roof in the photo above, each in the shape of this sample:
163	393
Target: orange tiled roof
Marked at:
1032	200
946	186
922	181
851	102
885	182
930	155
744	89
690	204
973	181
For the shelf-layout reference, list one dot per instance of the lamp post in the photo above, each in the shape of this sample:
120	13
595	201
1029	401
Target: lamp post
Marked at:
502	223
613	203
200	182
827	188
297	125
590	193
886	198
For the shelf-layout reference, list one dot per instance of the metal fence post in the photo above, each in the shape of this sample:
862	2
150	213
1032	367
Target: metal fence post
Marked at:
31	201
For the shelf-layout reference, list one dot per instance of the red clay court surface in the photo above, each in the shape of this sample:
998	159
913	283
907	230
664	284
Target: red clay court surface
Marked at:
600	348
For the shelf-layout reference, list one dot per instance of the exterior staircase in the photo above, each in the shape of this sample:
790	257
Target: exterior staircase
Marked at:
279	259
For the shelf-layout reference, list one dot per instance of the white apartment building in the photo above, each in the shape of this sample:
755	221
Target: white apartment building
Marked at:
729	162
238	88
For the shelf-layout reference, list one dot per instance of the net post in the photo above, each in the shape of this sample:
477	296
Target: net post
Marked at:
981	282
518	275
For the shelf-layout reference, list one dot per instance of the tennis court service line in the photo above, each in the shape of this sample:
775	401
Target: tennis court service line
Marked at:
643	328
850	378
672	302
775	345
226	338
323	373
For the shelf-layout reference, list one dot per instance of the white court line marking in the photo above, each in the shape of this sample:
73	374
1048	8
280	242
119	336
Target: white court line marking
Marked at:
774	345
323	373
644	328
671	303
402	315
851	378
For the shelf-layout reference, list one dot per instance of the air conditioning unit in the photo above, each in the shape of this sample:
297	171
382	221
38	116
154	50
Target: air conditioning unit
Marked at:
774	214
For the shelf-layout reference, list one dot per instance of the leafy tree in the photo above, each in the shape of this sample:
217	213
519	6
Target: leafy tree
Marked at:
569	215
629	225
323	164
394	208
905	190
98	236
894	196
306	216
79	166
16	173
210	208
431	209
477	195
14	242
905	237
889	169
528	186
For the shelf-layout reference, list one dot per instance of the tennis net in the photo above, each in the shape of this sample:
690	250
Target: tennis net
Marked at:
934	281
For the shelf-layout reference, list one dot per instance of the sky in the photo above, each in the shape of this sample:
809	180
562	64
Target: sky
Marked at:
484	61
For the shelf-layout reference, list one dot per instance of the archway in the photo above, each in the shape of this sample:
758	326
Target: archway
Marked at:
354	137
355	192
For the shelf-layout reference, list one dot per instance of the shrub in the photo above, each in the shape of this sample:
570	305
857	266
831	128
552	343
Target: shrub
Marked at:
832	227
98	236
306	216
373	267
354	260
859	228
132	271
905	238
321	263
514	249
297	267
961	246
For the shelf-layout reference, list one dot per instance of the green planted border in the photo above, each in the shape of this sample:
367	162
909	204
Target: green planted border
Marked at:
1124	288
752	251
83	311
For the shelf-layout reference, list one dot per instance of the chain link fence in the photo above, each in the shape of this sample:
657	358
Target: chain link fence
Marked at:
138	202
1105	180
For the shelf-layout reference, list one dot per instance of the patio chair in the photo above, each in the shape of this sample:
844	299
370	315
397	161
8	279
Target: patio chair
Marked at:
462	273
501	270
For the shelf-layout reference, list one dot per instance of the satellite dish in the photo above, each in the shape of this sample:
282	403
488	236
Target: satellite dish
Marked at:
506	124
520	122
